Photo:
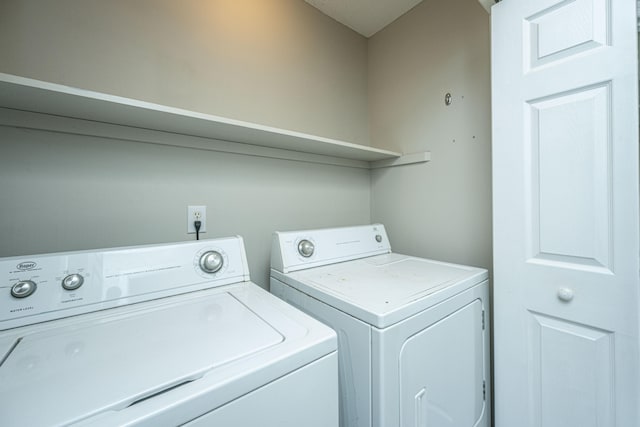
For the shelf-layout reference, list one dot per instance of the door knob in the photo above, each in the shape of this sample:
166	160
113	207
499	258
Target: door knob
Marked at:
565	294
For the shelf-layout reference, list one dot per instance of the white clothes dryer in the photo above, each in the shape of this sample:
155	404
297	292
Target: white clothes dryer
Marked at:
413	334
159	335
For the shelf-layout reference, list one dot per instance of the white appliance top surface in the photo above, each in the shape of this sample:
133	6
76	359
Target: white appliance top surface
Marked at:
71	369
384	289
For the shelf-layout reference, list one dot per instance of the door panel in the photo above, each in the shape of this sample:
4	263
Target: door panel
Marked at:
565	206
569	136
563	29
571	369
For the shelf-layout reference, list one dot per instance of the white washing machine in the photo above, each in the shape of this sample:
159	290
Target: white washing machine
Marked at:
413	334
159	335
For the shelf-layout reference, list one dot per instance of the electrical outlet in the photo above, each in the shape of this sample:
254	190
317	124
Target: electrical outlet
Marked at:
196	213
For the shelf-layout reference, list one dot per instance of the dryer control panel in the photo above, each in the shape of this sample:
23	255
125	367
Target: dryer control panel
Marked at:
49	286
298	250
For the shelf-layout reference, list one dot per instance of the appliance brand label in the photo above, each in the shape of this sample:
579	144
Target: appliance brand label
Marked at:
16	310
26	265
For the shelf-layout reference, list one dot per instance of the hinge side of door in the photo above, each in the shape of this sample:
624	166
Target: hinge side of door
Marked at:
484	390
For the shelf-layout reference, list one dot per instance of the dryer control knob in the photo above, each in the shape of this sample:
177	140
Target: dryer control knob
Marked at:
211	262
23	289
305	248
72	282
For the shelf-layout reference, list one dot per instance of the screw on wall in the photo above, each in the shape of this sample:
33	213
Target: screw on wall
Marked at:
447	99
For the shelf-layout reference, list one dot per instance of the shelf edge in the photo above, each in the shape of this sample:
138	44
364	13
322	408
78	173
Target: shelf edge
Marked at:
21	93
404	159
72	126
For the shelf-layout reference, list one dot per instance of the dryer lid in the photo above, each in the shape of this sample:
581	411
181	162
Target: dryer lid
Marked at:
87	367
384	289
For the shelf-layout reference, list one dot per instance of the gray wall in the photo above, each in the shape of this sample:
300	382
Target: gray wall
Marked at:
66	192
441	209
275	62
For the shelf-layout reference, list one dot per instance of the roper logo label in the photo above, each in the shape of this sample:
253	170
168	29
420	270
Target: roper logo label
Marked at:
26	265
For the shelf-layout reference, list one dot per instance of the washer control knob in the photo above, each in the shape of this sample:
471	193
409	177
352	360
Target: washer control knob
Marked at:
211	262
378	238
305	248
72	282
23	289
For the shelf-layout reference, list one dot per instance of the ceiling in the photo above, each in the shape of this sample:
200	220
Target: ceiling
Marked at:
366	17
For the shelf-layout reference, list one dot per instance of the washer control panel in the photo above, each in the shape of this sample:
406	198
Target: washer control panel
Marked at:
49	286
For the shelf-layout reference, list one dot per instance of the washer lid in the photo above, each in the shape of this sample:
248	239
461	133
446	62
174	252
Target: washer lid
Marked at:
112	362
384	289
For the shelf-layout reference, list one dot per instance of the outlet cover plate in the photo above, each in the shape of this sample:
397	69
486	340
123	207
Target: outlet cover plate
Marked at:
191	217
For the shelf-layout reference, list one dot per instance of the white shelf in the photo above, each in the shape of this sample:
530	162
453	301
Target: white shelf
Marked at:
405	159
27	95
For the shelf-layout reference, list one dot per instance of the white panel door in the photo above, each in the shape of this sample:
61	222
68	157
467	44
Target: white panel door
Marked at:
566	242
